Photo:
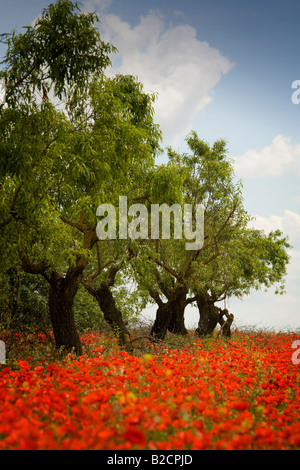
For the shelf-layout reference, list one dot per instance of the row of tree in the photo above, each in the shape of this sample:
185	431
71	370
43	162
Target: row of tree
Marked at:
72	138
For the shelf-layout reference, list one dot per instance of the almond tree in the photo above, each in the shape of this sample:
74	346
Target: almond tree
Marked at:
61	159
233	259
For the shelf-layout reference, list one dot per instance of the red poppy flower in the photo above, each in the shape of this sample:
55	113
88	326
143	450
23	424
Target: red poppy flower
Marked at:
135	436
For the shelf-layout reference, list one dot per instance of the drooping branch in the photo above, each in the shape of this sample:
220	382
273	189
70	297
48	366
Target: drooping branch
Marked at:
155	296
12	207
35	268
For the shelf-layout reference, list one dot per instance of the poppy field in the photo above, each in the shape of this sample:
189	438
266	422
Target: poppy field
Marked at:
203	394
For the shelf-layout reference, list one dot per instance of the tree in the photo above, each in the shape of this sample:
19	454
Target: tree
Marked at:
102	147
71	139
72	158
233	260
240	258
207	180
63	52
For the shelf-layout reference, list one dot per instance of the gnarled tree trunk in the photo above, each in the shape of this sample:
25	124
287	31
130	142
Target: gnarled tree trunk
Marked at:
107	303
162	319
226	324
111	313
176	324
63	289
170	314
210	316
61	298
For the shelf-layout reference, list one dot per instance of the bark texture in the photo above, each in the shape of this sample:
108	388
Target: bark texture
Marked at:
170	314
210	316
63	289
112	314
106	301
61	298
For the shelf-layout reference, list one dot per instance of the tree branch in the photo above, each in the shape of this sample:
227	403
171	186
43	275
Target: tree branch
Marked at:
112	274
190	300
138	198
168	269
155	296
79	225
12	206
35	268
226	221
214	256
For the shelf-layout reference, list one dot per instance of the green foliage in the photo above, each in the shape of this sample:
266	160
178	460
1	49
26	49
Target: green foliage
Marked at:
23	301
62	49
88	317
251	260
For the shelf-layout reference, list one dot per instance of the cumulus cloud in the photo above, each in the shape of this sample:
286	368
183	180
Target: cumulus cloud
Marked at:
264	309
169	61
275	159
289	224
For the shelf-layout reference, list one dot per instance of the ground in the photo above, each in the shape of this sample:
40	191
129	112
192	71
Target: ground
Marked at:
184	393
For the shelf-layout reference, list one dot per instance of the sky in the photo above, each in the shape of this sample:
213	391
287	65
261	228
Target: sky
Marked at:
226	69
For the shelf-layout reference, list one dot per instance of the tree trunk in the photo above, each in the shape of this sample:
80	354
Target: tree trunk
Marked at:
226	324
107	303
170	313
176	324
209	316
112	314
63	289
61	299
162	319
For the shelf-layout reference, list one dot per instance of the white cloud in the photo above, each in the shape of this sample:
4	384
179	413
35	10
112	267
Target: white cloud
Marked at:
289	224
265	309
169	61
273	160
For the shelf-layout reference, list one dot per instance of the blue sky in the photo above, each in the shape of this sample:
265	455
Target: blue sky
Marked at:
225	69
